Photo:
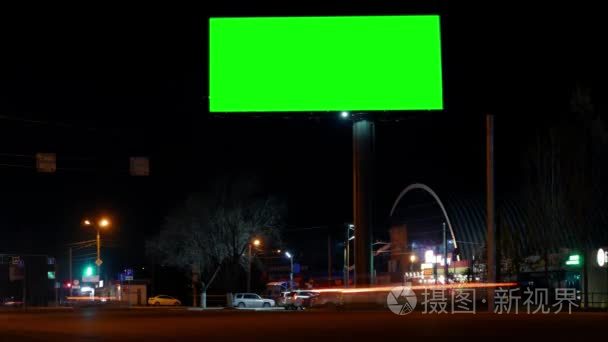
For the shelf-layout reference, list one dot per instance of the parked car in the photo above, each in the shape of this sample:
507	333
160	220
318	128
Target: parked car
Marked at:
251	300
12	302
299	299
163	300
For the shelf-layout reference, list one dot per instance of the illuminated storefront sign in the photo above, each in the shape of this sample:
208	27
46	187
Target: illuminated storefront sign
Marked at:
602	257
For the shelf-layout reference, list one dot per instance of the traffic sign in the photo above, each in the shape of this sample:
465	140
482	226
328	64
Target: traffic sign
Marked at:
46	162
139	166
91	279
16	260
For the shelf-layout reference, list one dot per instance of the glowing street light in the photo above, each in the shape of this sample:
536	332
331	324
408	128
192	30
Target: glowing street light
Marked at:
102	223
257	243
344	114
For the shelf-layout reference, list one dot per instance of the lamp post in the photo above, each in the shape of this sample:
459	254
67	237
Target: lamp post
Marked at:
255	243
288	255
349	227
103	223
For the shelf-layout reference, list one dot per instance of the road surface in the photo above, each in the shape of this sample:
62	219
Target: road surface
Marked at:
227	325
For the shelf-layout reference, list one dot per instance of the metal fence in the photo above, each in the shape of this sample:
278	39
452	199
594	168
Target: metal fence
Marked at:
597	300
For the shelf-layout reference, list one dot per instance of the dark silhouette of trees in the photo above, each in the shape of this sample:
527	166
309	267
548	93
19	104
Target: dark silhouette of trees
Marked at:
208	234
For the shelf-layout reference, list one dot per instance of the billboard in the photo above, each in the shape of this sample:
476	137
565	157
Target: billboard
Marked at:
350	63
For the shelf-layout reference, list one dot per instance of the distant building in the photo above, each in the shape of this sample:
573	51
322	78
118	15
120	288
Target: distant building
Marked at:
27	276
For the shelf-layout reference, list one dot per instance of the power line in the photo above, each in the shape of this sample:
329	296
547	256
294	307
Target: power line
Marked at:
306	228
18	166
16	155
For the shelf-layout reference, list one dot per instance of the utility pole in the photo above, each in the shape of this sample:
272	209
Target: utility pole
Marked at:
345	269
347	256
98	261
24	300
490	207
249	268
70	267
445	254
329	268
55	285
291	273
363	192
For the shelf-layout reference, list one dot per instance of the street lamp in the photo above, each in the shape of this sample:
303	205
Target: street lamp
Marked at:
349	227
288	255
103	223
256	243
412	261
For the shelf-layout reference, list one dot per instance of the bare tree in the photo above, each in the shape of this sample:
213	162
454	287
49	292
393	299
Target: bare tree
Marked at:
564	193
546	200
209	232
510	250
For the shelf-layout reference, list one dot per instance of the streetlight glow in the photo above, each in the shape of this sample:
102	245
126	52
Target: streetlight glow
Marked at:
287	254
87	222
256	242
344	114
413	258
104	222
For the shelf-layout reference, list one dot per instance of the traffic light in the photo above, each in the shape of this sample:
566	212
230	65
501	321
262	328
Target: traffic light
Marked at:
87	271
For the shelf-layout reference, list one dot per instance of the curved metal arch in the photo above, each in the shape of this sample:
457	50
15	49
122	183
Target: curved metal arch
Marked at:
432	193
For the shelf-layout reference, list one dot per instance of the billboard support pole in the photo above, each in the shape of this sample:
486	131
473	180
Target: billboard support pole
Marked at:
70	267
363	192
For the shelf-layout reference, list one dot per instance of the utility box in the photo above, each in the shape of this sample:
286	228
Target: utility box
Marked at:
131	294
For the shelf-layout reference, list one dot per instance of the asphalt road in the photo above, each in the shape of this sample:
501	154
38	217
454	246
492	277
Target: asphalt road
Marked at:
228	325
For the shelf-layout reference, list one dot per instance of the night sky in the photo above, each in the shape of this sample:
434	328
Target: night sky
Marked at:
97	85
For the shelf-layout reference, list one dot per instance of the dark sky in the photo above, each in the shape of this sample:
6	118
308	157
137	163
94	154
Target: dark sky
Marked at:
97	85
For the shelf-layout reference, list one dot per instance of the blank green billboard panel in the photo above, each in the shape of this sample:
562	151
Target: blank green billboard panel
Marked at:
287	64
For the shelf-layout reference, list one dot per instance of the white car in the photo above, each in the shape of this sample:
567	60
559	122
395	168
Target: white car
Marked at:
163	300
251	300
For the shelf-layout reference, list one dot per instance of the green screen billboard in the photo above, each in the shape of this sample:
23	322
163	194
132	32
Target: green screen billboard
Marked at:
286	64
